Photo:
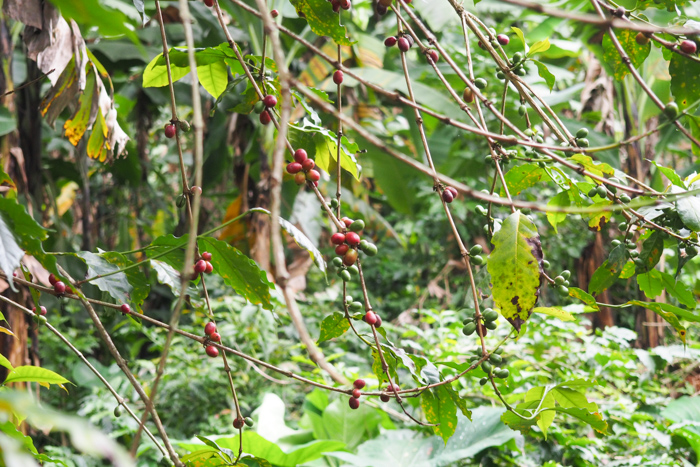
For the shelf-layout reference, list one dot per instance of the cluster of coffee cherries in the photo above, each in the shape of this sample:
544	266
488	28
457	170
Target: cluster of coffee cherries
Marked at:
58	286
486	321
602	191
468	94
500	38
404	42
449	194
383	5
268	102
347	245
240	421
212	336
203	266
356	393
488	365
561	282
338	4
303	168
39	316
519	67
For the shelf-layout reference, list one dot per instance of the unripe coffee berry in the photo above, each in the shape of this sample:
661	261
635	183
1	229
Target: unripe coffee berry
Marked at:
641	39
125	308
338	238
338	77
212	351
357	225
308	164
404	45
468	95
59	287
300	178
354	403
249	422
210	328
313	175
359	383
356	393
350	257
390	41
270	101
503	39
200	266
352	238
170	130
265	117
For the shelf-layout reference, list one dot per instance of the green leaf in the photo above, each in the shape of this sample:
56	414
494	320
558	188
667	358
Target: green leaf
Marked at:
8	124
156	75
653	282
545	74
333	326
555	311
685	86
670	317
109	21
168	275
518	32
304	242
35	374
514	265
213	77
538	47
594	419
561	200
524	176
584	296
238	271
124	287
322	20
651	252
670	174
609	271
688	209
597	168
4	362
568	398
637	53
440	409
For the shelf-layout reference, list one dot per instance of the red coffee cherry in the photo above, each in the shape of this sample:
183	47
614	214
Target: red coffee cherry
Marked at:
200	266
215	336
170	130
206	256
300	155
385	398
350	257
265	117
42	310
338	238
453	190
503	39
352	239
313	175
125	308
275	13
209	3
390	41
210	328
294	168
447	196
356	393
359	383
378	324
345	4
404	45
59	287
52	279
336	5
269	101
434	55
212	351
238	423
689	47
370	318
354	403
340	250
347	221
209	268
196	190
338	77
308	164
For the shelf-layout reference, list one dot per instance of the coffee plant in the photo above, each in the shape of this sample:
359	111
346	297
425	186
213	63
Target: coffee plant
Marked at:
474	226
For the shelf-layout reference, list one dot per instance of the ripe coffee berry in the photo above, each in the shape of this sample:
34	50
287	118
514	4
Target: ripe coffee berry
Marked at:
265	117
59	287
370	318
308	164
447	196
125	308
42	310
200	266
210	328
170	130
404	45
206	256
209	268
503	39
215	336
689	46
338	238
390	41
350	257
385	398
300	155
275	13
352	239
340	250
354	403
378	324
212	351
347	221
52	279
356	393
453	190
434	55
294	167
338	77
345	4
196	190
359	383
209	3
313	175
270	100
238	423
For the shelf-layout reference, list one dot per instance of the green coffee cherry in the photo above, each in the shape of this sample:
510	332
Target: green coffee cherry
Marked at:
490	325
500	75
529	132
259	107
539	139
612	189
638	262
490	315
583	142
602	191
469	329
565	274
517	57
691	250
559	280
520	71
487	367
483	381
522	110
481	210
502	374
495	359
479	351
563	290
545	264
624	198
582	133
499	350
630	245
357	225
353	270
249	421
592	192
345	275
481	83
118	411
466	321
334	203
475	250
477	260
371	249
337	262
671	110
622	226
634	253
616	242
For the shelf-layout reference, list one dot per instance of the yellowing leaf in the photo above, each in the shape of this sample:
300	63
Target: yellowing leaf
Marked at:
539	46
66	198
555	311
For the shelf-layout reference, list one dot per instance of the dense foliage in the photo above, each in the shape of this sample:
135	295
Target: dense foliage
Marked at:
349	233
